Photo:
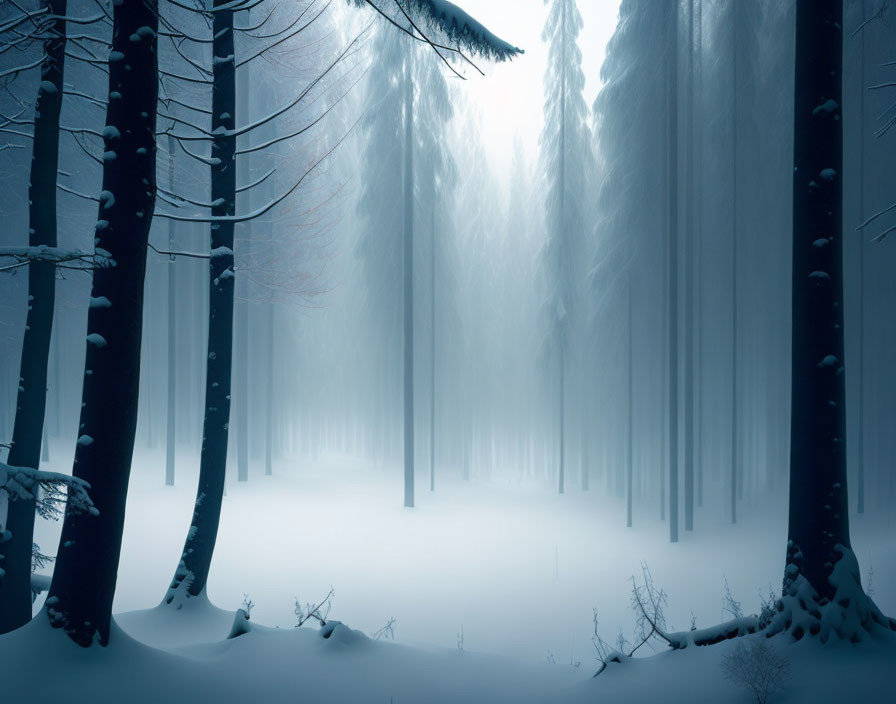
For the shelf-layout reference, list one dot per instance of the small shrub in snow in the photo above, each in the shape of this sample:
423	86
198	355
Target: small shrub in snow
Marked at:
387	631
247	605
648	604
755	665
311	611
768	607
730	605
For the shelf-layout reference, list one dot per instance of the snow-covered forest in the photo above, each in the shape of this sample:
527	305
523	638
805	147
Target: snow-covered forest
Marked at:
410	351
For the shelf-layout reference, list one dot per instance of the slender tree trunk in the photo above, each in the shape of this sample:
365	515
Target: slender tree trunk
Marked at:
243	313
629	430
269	396
409	283
672	175
583	434
735	400
860	403
561	233
29	425
171	435
698	255
191	575
689	291
59	388
432	353
562	403
80	597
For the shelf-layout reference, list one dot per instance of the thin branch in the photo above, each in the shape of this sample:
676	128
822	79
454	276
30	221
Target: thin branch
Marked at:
176	253
265	208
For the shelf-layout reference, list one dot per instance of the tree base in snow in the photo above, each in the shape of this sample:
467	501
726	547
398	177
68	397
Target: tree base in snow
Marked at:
851	615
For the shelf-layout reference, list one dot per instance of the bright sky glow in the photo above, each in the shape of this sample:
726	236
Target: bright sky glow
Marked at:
511	95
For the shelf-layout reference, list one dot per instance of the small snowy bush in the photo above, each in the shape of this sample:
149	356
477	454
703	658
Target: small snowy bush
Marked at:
758	667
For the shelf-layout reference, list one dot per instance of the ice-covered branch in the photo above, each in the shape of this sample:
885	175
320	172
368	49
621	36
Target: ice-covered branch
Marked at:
73	192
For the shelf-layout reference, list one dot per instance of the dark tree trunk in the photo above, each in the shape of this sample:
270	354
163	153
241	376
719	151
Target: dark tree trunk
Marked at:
819	518
191	575
821	575
860	401
80	597
171	423
31	399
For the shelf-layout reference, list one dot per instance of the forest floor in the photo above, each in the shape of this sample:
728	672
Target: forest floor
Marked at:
492	585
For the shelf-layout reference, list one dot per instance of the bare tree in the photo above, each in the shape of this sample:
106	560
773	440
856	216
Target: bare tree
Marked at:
757	667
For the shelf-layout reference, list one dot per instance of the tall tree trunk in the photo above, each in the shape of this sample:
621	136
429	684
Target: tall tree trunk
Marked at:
819	513
735	452
191	575
629	426
562	234
672	175
269	395
860	402
689	290
242	383
29	427
822	590
171	434
562	409
409	281
432	352
80	597
697	198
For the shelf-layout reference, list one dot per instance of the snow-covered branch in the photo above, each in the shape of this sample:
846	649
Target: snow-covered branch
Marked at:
63	258
171	254
452	23
50	490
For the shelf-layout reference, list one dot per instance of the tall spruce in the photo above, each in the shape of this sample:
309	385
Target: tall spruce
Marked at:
566	154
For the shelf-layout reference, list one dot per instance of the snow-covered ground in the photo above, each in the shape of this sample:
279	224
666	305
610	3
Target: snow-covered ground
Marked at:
508	572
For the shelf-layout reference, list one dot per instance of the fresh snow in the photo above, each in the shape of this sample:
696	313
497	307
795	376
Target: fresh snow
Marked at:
511	565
